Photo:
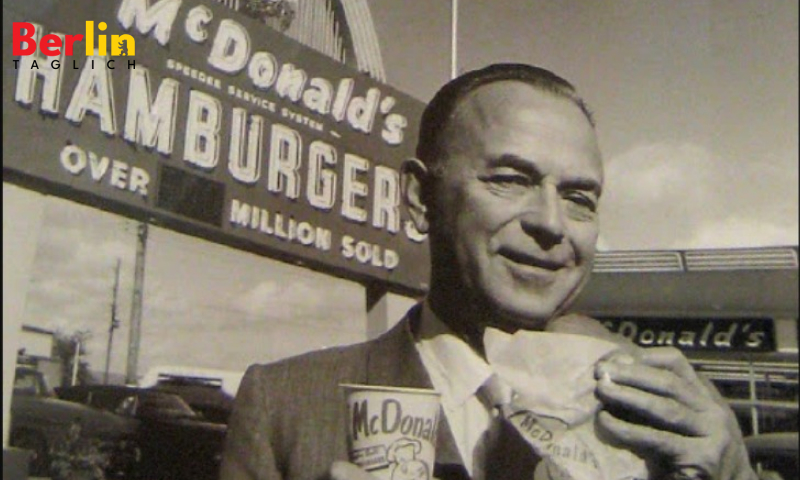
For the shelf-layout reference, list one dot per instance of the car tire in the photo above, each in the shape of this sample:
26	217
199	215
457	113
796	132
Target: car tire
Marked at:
39	465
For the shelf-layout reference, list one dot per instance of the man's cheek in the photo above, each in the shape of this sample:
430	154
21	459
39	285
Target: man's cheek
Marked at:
585	246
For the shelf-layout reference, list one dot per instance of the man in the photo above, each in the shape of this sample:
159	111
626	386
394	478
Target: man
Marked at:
507	184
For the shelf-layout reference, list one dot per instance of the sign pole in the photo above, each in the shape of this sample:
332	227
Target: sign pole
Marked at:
377	309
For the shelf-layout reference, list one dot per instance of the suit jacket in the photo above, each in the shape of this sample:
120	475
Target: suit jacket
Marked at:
289	420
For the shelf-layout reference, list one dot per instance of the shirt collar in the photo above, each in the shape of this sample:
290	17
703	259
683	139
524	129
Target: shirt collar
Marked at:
460	371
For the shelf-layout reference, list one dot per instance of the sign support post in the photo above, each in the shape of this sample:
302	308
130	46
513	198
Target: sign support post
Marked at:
377	309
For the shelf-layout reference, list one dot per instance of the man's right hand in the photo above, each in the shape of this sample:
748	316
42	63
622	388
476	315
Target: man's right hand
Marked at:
678	415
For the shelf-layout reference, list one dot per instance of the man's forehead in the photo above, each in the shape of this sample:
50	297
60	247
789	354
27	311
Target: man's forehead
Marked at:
496	110
497	98
511	104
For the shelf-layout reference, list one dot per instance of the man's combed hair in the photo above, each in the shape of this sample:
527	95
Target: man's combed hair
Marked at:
443	105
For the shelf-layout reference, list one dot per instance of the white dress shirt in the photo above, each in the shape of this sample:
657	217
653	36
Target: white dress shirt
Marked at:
456	372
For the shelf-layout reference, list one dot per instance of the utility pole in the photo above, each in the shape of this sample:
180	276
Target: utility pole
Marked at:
136	306
114	323
76	360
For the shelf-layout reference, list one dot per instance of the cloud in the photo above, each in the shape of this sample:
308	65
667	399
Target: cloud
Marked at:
734	231
681	195
266	296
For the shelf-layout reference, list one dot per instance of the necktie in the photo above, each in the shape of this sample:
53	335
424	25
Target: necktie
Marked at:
505	454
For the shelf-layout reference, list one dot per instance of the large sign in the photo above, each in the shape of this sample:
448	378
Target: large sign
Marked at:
706	334
199	118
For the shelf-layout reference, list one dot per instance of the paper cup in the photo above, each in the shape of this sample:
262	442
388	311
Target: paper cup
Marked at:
391	431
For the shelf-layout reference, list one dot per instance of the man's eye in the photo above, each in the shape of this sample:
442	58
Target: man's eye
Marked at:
510	180
581	200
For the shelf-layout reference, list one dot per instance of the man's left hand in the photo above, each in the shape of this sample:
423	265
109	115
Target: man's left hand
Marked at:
671	412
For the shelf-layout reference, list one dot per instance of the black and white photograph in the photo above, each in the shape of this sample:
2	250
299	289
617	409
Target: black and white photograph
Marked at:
400	240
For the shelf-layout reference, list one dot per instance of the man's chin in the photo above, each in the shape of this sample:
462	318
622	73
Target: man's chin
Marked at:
520	318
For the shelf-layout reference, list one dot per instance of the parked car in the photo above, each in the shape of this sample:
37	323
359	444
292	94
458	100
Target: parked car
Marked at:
175	441
40	422
204	397
775	455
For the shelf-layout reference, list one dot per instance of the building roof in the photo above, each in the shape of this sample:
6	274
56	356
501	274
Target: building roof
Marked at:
765	258
35	329
719	282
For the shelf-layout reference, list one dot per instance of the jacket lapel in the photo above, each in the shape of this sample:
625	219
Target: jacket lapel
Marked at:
393	360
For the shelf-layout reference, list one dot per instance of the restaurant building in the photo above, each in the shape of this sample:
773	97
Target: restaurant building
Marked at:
733	312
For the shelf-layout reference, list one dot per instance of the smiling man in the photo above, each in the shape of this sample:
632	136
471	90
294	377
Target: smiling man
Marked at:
507	184
509	194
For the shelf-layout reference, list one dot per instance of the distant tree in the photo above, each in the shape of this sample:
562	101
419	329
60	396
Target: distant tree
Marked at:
64	346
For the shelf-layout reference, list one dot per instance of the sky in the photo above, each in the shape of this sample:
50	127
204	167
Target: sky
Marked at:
696	103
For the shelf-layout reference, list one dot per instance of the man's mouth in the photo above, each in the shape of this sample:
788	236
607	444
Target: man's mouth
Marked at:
526	259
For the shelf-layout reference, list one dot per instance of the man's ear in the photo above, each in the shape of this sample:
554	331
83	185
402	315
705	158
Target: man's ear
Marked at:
414	175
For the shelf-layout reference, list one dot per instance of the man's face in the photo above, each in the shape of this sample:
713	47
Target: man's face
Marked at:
515	203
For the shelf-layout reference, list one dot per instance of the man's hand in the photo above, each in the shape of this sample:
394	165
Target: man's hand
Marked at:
671	415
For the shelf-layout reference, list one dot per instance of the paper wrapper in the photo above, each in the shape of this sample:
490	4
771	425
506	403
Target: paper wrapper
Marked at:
555	407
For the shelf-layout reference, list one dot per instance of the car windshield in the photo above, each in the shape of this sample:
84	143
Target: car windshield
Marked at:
165	405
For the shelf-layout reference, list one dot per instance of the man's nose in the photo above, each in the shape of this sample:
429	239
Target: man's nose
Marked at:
543	220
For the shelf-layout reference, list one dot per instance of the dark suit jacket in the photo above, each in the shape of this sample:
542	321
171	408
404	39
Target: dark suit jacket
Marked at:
289	420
